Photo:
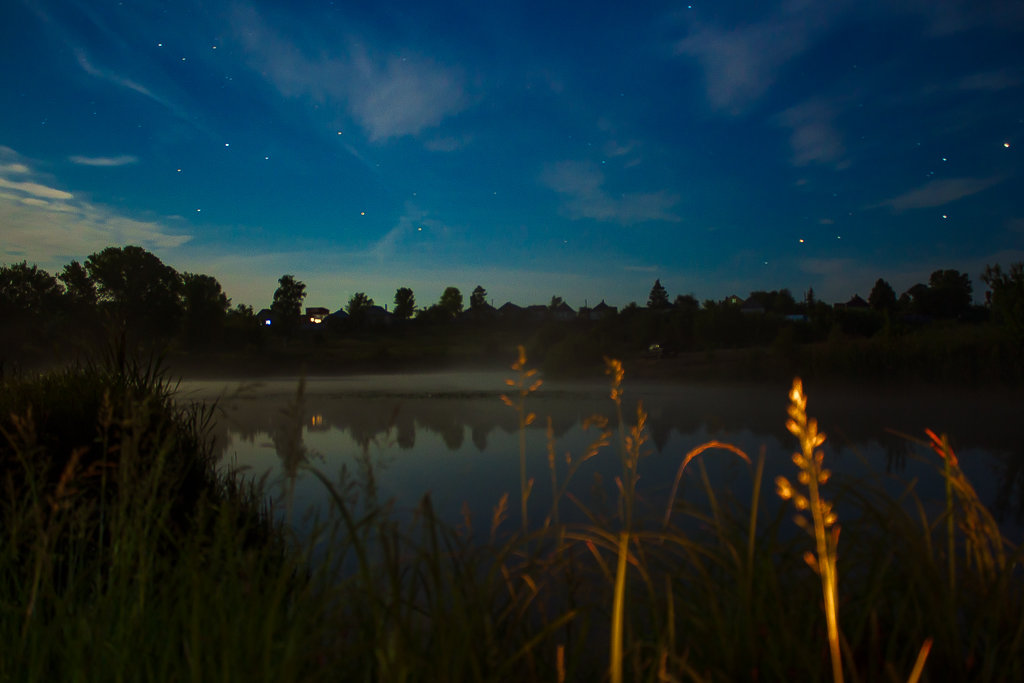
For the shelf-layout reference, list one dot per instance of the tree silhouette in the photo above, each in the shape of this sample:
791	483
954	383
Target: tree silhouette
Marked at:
556	301
478	299
28	290
687	303
358	305
882	297
658	297
287	306
951	293
206	308
451	301
79	288
137	289
405	303
1007	296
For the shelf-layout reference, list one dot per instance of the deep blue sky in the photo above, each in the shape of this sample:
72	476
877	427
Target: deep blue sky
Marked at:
534	148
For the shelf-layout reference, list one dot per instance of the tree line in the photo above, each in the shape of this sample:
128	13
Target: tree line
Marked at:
128	290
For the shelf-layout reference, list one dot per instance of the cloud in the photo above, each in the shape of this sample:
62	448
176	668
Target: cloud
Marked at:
45	224
401	96
117	79
582	185
741	65
813	136
35	189
409	224
123	160
938	193
447	144
390	96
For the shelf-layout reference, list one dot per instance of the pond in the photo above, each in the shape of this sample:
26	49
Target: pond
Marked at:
450	436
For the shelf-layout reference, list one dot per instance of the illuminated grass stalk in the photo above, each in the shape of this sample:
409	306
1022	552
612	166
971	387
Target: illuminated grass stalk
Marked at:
523	386
826	534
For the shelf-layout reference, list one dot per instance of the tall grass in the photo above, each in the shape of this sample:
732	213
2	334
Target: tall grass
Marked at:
126	555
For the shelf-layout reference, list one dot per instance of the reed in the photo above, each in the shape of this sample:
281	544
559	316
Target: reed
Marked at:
127	555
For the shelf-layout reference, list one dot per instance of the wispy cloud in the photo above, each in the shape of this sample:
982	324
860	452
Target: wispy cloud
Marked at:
742	64
389	96
124	82
414	221
447	144
937	193
34	189
813	134
582	185
123	160
45	223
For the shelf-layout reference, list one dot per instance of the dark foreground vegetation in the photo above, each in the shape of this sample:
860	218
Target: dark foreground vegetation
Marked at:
932	332
127	556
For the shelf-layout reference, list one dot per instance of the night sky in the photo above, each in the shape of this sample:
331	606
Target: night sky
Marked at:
535	148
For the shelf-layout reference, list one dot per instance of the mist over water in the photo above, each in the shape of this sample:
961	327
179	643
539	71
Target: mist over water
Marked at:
449	435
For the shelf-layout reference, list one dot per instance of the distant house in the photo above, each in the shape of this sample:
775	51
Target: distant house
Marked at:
510	310
316	315
562	312
854	304
338	316
601	310
483	312
536	312
266	317
379	315
857	302
733	300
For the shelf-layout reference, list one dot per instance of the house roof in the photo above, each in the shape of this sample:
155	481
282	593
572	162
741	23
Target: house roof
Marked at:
857	302
563	307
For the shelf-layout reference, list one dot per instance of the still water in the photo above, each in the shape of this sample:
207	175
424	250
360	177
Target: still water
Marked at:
449	435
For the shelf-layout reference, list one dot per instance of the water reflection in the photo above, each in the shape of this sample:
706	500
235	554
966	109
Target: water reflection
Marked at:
415	429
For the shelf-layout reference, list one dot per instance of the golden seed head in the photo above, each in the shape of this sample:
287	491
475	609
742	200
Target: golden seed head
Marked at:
796	394
811	560
804	477
783	487
800	501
